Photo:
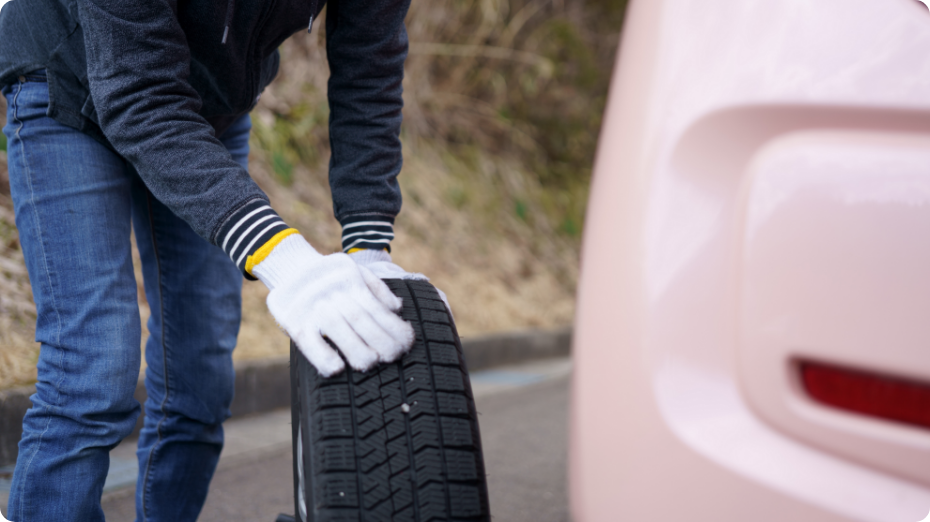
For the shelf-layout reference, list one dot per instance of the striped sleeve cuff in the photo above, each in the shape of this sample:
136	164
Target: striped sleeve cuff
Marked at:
247	230
372	231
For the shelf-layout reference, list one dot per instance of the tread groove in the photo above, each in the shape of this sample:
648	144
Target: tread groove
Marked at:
411	463
358	457
429	362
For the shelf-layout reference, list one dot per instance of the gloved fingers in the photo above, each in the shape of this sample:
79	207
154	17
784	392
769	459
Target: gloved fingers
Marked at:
381	290
387	347
358	354
387	270
321	355
398	329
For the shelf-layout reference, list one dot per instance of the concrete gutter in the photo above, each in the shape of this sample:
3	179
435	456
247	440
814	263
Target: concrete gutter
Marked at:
264	384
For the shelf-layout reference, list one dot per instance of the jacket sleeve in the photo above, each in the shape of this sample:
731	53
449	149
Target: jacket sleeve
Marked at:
138	64
366	44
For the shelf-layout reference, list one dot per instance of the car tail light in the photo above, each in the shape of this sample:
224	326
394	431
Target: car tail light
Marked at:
884	396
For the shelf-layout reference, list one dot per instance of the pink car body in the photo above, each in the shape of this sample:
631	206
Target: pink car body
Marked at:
753	330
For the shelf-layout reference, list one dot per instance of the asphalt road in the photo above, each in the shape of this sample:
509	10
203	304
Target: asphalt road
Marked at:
523	418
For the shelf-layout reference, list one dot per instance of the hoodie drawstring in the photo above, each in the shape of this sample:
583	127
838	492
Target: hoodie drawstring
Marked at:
313	4
229	16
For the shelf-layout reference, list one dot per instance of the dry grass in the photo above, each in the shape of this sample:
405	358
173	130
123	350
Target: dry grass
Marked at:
18	354
502	106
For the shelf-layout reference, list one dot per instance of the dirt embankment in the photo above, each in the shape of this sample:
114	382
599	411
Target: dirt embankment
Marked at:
502	108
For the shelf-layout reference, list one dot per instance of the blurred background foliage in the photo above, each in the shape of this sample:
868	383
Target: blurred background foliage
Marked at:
521	80
503	103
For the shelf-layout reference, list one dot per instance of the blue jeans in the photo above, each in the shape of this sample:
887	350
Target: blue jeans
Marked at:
76	202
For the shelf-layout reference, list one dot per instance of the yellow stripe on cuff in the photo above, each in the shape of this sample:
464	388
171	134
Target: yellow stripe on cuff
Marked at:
266	249
359	249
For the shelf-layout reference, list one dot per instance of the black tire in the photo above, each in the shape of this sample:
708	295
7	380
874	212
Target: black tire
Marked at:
398	443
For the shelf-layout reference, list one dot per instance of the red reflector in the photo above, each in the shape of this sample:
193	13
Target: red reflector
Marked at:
891	398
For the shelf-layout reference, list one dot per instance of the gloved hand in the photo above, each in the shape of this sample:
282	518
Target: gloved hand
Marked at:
380	264
313	295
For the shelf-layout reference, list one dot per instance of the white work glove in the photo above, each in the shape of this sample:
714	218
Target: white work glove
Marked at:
313	295
380	264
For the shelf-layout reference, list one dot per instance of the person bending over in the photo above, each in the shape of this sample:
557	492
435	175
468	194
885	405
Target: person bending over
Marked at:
135	115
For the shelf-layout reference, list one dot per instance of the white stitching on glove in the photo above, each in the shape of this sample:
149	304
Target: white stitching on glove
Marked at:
379	262
313	295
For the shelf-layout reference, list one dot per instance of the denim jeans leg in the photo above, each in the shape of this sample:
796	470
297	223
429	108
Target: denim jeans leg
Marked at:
72	203
194	292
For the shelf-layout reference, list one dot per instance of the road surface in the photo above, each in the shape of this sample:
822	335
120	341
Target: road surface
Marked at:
523	418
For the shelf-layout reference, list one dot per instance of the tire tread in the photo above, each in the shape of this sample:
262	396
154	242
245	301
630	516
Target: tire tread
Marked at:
370	460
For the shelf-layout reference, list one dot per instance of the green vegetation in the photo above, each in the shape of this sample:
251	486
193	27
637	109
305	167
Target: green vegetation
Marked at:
520	209
283	168
293	134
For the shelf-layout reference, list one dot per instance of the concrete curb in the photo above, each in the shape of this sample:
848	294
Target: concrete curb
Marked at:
264	384
488	351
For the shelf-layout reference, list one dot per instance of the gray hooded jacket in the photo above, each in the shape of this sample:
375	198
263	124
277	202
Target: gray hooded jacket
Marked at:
158	80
